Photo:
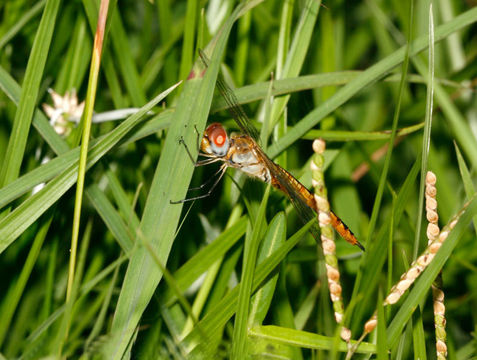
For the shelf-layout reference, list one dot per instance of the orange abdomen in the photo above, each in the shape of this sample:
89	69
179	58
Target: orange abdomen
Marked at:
344	230
338	224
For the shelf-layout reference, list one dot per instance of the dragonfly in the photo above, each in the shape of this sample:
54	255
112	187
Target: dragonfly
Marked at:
243	152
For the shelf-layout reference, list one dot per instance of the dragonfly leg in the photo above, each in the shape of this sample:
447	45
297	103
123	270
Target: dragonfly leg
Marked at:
198	138
200	162
208	181
207	161
181	141
240	166
221	173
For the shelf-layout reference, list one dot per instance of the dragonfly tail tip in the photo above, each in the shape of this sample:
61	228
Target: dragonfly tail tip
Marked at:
358	244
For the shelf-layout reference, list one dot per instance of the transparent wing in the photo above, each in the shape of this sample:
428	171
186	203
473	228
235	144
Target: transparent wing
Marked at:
301	198
233	105
297	198
282	176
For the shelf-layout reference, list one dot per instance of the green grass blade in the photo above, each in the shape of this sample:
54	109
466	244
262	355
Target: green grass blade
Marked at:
296	53
387	160
252	243
426	138
23	117
126	209
423	284
26	18
77	59
111	217
382	351
418	337
200	262
367	279
31	209
126	62
466	178
339	135
188	44
240	65
227	306
101	318
40	122
14	298
258	91
305	311
366	78
261	301
160	218
84	129
280	335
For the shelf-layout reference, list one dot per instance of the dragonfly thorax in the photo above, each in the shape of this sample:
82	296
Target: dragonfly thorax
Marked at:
244	156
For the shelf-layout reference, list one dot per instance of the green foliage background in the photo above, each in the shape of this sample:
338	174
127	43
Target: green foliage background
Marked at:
155	279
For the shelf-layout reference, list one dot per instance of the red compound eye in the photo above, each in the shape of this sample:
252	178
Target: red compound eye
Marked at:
217	134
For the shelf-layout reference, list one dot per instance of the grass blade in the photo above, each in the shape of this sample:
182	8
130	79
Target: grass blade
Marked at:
23	117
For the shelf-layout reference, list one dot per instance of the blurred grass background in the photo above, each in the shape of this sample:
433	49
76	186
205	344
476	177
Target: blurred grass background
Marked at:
139	289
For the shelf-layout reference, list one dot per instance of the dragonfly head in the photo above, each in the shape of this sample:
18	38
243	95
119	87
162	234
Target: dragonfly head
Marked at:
215	140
